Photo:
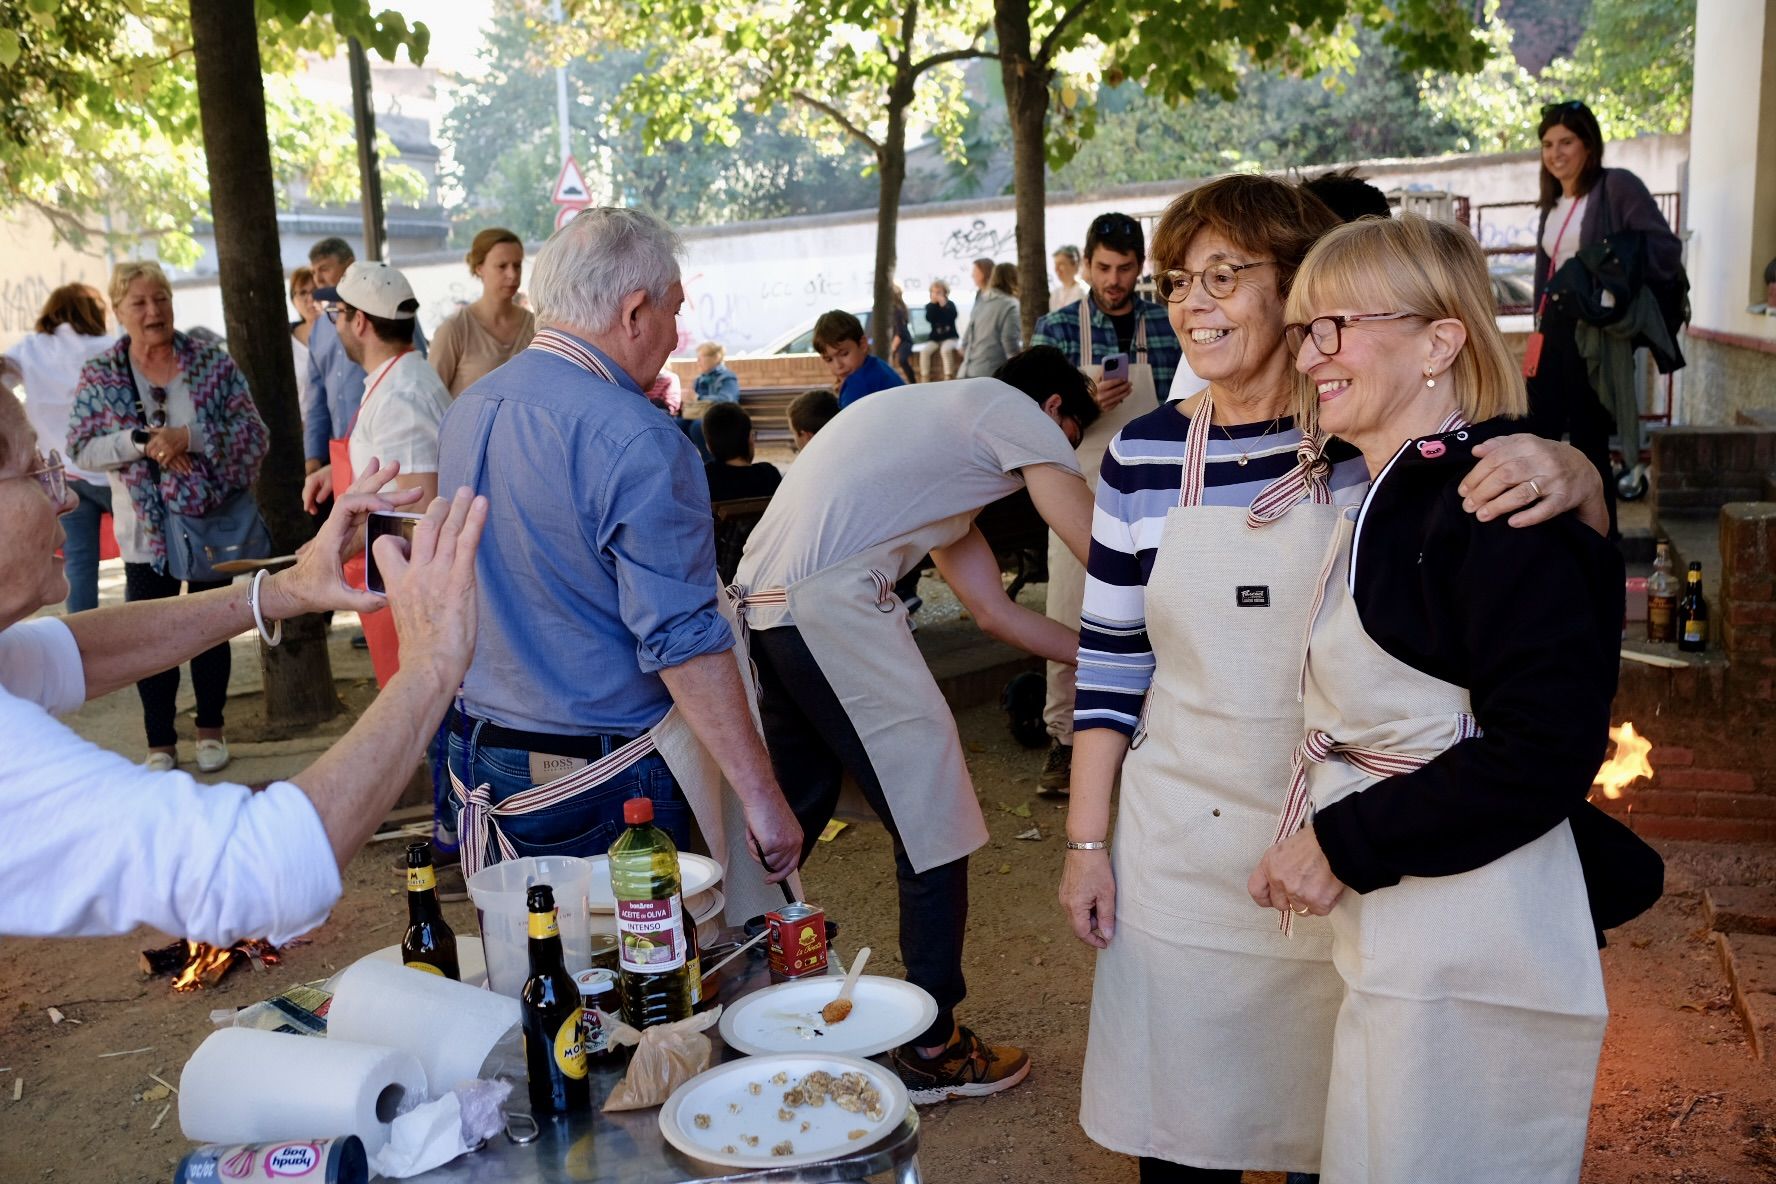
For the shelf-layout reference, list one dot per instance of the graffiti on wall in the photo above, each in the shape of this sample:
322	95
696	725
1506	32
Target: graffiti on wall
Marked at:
980	241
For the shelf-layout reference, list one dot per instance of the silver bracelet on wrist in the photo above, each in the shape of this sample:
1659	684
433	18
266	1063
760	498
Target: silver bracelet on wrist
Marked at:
276	633
1072	846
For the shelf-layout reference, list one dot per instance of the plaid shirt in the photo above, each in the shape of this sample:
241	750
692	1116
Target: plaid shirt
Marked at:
1061	330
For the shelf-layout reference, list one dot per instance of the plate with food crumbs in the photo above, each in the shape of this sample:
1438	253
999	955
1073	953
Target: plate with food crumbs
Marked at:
807	1107
885	1013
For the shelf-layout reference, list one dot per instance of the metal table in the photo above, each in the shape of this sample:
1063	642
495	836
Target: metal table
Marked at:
593	1147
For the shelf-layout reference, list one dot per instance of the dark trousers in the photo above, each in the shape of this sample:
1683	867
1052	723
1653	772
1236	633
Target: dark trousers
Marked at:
1160	1171
1563	404
209	670
813	745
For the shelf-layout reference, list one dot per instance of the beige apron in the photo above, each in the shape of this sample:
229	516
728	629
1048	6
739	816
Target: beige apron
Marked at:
1466	1048
1066	575
721	820
1211	1031
856	629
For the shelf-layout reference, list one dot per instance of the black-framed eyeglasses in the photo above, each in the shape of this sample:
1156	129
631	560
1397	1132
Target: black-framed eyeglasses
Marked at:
1114	226
1219	280
1328	332
52	476
157	418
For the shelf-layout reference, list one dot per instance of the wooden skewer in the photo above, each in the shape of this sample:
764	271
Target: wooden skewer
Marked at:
839	1009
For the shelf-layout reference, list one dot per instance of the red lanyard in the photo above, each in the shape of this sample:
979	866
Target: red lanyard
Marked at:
1554	255
365	401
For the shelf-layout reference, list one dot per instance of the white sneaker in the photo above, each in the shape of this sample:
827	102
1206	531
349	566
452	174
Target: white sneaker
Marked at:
212	756
161	762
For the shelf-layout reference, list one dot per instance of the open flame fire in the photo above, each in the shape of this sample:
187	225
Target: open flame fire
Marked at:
1627	763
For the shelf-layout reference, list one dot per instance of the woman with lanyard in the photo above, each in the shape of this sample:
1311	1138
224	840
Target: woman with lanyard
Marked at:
1582	203
396	422
1452	731
170	421
1212	519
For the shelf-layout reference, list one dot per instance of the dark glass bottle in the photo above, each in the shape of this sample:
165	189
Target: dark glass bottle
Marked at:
1692	612
554	1049
429	943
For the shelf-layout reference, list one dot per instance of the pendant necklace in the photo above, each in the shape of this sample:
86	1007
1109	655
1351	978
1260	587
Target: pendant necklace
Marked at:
1246	456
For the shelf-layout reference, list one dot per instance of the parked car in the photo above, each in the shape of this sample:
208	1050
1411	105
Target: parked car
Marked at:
1513	284
800	340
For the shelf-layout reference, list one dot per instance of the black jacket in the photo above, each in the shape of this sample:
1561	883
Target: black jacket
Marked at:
1529	621
1620	202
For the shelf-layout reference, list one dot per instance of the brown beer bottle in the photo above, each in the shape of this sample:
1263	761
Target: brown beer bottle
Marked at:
1662	594
429	943
554	1045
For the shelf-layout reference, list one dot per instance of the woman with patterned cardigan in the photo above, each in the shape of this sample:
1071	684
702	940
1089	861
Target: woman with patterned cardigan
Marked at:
170	421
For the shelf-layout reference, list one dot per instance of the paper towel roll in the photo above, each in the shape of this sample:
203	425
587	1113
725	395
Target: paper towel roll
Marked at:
247	1086
448	1027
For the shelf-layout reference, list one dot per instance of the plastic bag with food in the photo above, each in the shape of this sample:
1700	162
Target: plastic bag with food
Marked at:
666	1056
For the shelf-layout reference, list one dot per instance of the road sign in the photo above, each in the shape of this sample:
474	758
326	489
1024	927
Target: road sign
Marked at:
565	215
570	186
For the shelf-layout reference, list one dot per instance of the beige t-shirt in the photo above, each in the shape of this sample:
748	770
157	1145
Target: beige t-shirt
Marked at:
890	466
463	352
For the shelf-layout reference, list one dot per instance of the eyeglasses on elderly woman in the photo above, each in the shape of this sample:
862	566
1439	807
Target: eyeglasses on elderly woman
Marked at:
1328	332
1219	281
51	476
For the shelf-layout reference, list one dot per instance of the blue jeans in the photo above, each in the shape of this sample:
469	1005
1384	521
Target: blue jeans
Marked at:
584	826
80	553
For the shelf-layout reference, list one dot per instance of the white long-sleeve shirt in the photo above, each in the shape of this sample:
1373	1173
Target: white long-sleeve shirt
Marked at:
99	845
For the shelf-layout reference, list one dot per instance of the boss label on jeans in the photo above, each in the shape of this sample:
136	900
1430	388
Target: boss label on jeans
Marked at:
650	935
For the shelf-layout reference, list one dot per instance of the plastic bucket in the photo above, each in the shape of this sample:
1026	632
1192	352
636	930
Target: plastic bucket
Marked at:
498	892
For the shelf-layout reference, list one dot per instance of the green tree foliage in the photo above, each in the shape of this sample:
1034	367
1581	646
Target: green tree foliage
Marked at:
506	148
99	123
1275	121
1633	66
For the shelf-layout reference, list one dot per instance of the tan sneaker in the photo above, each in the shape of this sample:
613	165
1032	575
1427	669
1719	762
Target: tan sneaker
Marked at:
966	1068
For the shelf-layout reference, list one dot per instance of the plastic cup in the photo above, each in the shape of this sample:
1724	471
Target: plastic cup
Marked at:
498	892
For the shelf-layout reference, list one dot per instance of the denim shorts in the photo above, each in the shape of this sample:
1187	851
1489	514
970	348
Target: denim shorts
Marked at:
583	826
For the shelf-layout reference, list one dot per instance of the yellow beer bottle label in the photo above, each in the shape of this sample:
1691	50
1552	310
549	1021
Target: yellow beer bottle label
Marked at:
570	1049
421	879
425	966
543	925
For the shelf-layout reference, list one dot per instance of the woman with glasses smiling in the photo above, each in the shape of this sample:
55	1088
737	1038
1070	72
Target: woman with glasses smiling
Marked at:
1452	730
1212	518
170	421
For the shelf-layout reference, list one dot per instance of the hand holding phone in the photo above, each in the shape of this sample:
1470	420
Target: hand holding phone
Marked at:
381	522
1116	366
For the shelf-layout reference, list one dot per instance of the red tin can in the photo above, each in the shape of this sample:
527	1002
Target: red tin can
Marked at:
798	940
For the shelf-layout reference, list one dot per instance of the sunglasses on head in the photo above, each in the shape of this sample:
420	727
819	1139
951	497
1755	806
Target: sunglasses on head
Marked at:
1115	225
1555	108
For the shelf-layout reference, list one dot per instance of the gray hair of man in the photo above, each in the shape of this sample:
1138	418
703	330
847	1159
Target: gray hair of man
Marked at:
590	266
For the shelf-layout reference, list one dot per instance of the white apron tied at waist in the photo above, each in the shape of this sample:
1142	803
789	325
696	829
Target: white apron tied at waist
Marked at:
478	816
1320	747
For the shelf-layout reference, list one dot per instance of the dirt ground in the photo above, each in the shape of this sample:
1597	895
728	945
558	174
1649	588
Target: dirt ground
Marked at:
1679	1097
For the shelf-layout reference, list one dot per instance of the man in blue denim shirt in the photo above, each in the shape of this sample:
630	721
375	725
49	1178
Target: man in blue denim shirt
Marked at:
597	598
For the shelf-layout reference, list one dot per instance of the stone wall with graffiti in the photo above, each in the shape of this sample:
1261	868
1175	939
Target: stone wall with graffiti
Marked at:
750	285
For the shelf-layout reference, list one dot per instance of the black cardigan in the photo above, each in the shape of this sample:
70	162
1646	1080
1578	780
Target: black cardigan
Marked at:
1619	202
1529	621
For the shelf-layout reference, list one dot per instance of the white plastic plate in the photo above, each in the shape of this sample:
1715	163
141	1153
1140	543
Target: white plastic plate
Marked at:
724	1096
885	1014
698	873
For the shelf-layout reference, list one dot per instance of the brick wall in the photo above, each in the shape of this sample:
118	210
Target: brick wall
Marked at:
1697	470
1713	722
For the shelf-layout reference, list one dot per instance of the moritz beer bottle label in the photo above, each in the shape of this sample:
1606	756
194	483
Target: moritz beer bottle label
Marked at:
570	1047
544	925
421	879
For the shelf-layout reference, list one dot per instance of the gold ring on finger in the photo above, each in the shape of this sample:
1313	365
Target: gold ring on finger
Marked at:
1300	910
1535	489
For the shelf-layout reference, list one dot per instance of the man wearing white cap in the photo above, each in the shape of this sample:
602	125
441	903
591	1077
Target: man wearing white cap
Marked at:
374	310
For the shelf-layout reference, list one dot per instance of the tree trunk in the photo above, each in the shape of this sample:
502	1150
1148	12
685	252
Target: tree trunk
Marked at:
1026	106
231	104
891	170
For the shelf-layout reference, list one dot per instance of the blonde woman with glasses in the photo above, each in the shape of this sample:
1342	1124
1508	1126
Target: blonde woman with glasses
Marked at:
1457	693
